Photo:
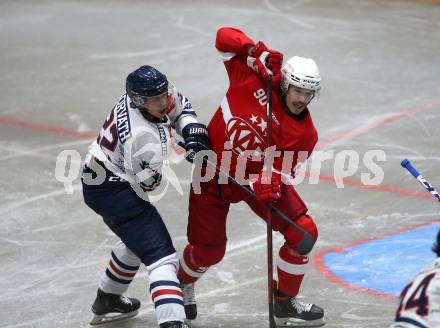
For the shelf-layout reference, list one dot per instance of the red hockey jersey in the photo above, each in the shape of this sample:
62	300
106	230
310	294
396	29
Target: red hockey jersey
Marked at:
241	118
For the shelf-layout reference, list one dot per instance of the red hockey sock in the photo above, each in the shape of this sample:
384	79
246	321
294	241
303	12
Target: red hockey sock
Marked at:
291	269
189	270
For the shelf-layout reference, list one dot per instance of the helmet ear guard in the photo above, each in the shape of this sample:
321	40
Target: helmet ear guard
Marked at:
137	100
302	73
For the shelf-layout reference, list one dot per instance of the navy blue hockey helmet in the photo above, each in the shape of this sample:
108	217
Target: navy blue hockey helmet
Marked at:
146	81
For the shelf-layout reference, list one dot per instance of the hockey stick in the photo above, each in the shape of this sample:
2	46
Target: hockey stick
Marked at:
307	242
270	292
407	164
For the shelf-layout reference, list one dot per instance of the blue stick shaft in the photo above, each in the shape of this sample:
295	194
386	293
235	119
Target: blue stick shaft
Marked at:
407	164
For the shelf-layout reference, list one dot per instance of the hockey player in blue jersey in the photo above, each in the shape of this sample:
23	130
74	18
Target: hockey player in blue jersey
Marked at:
122	166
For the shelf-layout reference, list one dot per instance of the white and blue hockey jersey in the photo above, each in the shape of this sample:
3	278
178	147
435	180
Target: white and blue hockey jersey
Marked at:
135	148
420	300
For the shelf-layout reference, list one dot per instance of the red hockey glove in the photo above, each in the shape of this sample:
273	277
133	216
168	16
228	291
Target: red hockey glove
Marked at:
257	65
266	59
274	61
258	49
267	188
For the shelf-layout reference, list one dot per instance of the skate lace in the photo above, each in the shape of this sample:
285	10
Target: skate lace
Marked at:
300	306
188	293
125	300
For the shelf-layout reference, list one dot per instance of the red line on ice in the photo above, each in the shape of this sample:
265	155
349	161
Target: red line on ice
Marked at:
362	130
47	128
382	187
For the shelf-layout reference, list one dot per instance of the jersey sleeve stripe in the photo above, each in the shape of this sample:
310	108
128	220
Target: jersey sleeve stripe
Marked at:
226	56
227	115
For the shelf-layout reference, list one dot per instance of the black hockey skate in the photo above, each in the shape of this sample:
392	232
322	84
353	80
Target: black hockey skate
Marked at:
112	307
290	312
173	324
189	301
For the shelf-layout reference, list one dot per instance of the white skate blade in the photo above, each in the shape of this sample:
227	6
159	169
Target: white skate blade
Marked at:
295	322
111	317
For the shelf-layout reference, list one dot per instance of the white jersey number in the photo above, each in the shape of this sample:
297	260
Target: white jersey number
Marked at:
261	96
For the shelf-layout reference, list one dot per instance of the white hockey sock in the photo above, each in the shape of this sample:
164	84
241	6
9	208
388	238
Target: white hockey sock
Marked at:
165	290
120	271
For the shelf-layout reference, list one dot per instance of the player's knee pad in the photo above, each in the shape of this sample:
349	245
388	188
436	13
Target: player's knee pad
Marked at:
208	255
170	260
299	242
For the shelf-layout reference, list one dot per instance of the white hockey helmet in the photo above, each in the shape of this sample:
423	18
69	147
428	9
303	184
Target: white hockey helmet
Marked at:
302	73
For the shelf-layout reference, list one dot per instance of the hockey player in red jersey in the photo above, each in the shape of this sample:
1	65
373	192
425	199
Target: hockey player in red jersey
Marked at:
240	124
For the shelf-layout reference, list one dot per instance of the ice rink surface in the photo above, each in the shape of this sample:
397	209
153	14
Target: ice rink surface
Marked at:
63	66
